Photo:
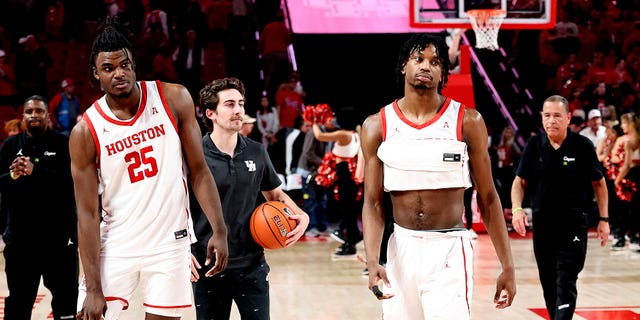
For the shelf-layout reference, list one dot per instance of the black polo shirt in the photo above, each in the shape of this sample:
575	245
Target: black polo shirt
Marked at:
239	180
559	180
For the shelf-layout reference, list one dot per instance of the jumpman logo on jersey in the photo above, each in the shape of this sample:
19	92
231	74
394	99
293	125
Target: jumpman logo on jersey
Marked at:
446	124
154	110
104	130
576	239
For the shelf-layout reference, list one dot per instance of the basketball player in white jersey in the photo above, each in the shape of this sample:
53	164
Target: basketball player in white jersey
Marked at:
135	145
422	149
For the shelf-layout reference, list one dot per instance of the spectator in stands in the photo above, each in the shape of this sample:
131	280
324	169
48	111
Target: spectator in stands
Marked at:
315	196
549	59
7	82
150	44
14	127
36	162
598	72
194	19
65	108
157	17
268	121
599	97
508	153
576	124
247	125
594	130
189	60
567	74
290	102
286	150
565	41
610	115
273	45
163	67
32	62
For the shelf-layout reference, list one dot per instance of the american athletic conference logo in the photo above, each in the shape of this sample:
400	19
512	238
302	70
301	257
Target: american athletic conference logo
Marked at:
251	166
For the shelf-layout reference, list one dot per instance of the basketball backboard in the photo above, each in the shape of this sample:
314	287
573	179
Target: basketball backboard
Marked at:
521	14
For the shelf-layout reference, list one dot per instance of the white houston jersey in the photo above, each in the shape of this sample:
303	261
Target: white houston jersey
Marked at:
424	156
145	202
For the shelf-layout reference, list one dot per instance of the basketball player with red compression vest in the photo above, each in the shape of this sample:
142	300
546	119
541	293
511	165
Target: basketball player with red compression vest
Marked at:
134	146
422	149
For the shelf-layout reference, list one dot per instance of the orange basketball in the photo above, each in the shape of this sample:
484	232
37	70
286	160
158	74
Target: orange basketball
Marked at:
270	224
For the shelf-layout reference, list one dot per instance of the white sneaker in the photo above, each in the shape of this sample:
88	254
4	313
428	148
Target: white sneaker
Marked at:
312	233
474	235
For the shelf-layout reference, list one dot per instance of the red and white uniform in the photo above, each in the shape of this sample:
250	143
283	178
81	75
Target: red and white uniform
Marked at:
145	202
426	156
430	271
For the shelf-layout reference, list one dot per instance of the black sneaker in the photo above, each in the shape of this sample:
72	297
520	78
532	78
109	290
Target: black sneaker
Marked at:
619	245
338	235
346	251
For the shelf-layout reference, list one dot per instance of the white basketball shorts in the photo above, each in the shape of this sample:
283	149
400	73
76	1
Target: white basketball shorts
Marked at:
431	275
164	281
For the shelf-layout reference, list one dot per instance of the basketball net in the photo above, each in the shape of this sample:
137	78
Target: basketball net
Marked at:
486	24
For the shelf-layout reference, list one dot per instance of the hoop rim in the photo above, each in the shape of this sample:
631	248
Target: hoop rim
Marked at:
487	12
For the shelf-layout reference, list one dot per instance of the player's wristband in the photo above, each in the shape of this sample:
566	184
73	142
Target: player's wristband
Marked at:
516	209
13	175
605	219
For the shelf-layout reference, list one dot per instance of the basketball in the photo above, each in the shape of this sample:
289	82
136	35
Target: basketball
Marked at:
270	224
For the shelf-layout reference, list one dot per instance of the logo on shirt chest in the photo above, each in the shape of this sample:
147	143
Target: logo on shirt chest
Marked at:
251	166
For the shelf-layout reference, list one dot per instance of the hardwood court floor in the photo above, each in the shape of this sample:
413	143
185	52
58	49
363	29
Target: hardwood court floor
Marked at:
306	284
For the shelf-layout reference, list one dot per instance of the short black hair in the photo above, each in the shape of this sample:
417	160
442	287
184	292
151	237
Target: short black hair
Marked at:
37	97
418	42
113	37
209	95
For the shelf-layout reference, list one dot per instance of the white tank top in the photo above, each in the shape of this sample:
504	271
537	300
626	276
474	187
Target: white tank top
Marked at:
140	167
426	156
350	150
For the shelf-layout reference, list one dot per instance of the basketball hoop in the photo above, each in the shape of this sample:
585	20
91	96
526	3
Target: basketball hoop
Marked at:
486	24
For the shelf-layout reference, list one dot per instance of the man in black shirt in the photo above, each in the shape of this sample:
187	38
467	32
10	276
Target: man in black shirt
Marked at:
558	168
242	169
41	236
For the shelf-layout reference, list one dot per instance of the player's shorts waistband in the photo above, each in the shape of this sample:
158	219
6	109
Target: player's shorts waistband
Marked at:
430	234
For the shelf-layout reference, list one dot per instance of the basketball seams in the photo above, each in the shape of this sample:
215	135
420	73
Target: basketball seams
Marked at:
276	234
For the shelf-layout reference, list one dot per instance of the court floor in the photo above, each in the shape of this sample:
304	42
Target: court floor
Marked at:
307	284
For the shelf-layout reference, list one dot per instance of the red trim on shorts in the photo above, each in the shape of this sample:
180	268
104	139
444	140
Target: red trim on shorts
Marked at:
126	303
94	135
466	275
166	106
167	307
460	120
143	103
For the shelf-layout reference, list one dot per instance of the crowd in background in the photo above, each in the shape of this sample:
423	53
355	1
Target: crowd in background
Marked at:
592	57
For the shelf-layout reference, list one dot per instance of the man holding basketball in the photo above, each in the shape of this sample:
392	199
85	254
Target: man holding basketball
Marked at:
242	169
422	149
